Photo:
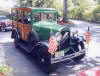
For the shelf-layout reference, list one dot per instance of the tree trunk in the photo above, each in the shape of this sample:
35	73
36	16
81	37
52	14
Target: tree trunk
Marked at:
65	17
30	1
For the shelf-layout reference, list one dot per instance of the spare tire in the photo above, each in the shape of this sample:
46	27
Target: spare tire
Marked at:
32	39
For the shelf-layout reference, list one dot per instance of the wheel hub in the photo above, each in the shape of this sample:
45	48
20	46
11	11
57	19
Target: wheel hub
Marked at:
42	60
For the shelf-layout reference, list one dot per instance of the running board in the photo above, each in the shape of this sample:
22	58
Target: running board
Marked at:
23	45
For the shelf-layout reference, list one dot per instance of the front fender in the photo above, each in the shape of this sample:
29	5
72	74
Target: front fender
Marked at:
45	44
39	45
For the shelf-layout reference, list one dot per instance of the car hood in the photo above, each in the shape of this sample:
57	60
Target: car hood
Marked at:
51	26
6	22
44	28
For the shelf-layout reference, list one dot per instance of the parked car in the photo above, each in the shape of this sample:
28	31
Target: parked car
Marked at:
5	23
32	29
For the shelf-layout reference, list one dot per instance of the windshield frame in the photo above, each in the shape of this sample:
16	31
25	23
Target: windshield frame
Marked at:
44	11
4	18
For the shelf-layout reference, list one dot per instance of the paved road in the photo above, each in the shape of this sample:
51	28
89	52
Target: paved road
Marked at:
25	65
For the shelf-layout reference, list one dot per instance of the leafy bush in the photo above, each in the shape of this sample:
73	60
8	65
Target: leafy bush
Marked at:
84	9
6	71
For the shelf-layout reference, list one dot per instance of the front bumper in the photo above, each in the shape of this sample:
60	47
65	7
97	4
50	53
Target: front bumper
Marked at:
8	28
67	57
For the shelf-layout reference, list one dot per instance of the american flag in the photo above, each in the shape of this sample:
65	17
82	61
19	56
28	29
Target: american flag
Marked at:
52	45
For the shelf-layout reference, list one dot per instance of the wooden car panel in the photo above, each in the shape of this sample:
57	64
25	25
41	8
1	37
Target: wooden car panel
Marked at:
27	29
23	29
14	24
20	29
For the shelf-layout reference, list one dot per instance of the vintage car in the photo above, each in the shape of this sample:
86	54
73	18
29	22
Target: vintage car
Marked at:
32	30
5	23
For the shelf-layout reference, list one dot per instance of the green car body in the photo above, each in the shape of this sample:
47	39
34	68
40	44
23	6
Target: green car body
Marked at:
43	28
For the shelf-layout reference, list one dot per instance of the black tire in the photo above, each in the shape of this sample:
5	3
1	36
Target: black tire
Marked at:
2	28
76	46
82	45
32	40
78	58
44	60
16	40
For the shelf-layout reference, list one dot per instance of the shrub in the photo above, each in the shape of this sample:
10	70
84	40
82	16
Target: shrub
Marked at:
6	71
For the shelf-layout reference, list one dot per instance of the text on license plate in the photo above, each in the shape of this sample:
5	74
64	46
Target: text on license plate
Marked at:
59	54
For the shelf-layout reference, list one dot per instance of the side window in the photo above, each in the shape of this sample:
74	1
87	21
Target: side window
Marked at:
36	17
27	18
44	16
19	16
14	15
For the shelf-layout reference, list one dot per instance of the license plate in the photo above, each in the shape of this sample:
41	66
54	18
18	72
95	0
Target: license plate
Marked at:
59	54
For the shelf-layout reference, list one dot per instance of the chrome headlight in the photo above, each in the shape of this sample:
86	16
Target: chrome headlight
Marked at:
61	35
58	36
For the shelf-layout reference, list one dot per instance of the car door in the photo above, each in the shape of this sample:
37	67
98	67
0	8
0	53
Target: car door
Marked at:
14	18
20	24
27	24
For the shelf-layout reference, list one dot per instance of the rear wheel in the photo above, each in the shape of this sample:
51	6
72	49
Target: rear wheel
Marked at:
2	28
16	40
44	60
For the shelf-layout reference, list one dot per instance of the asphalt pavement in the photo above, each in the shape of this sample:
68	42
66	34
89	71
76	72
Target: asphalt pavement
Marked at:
25	65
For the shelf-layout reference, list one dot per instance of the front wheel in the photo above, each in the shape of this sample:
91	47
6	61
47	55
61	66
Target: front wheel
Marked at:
78	58
44	60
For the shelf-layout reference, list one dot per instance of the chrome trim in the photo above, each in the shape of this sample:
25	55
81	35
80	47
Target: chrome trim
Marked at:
67	57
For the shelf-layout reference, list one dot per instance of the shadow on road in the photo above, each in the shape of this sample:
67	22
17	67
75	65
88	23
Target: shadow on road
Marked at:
72	68
23	63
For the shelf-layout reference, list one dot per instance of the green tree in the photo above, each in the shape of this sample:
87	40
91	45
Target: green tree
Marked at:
43	3
98	1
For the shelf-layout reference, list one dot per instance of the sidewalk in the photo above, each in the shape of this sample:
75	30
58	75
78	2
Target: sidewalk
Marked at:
5	70
2	55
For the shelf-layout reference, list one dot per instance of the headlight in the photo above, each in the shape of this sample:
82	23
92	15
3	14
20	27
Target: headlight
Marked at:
58	36
61	35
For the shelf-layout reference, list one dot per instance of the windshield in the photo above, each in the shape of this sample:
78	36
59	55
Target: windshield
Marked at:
44	17
3	18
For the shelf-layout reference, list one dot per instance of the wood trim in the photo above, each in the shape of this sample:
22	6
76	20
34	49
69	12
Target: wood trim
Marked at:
24	29
14	24
27	29
20	8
